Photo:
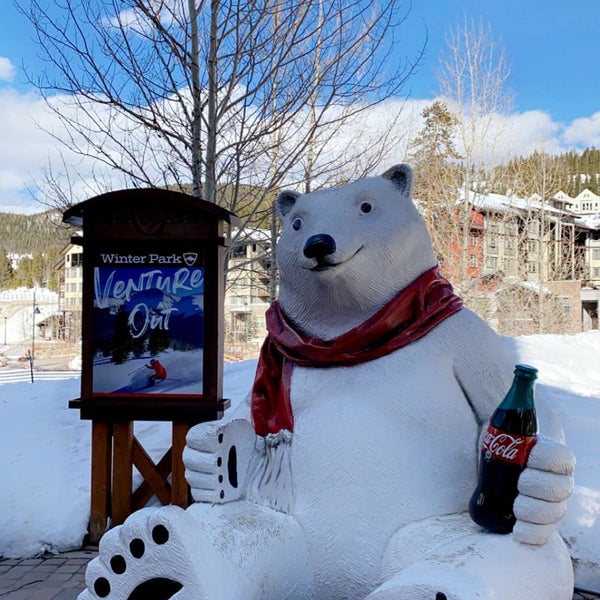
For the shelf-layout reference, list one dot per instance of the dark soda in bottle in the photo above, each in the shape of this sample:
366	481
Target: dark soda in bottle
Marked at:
505	448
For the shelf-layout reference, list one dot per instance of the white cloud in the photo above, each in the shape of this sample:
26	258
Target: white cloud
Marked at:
7	69
523	133
584	132
27	149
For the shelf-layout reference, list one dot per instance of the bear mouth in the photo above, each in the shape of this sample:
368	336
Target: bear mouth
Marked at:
323	264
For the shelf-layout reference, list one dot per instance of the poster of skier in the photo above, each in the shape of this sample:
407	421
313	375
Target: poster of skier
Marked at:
148	324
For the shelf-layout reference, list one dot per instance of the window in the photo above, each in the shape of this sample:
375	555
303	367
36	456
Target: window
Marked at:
596	254
596	272
531	267
493	242
512	229
472	260
510	246
491	262
238	252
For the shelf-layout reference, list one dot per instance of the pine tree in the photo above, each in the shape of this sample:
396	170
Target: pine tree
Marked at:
6	269
38	269
158	341
23	273
437	175
122	340
139	346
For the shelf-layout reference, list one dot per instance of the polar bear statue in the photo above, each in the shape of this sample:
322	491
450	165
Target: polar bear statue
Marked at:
348	474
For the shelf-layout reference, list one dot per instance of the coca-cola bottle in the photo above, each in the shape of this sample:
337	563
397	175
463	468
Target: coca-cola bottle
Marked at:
505	448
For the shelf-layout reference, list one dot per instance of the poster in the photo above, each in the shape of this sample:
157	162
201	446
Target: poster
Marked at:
148	323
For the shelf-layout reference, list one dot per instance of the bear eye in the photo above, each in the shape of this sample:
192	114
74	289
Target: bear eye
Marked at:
366	207
296	223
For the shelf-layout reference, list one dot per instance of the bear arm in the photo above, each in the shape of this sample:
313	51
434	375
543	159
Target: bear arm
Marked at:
483	367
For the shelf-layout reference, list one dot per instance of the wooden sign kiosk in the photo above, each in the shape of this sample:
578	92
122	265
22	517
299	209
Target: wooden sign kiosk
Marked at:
152	346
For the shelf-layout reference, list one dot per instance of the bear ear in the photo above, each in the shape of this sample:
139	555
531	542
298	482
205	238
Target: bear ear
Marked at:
401	176
285	202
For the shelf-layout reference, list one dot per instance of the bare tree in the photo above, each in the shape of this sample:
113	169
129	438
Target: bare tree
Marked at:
511	248
227	100
180	92
529	262
547	239
472	78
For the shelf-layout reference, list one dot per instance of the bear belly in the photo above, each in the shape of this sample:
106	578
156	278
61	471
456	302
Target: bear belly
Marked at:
376	446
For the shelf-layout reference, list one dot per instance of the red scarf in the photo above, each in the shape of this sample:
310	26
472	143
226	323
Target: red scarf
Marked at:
416	310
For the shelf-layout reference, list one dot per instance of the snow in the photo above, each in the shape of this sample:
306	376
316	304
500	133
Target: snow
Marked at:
184	374
45	490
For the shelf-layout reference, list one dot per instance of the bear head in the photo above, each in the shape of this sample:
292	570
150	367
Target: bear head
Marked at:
344	252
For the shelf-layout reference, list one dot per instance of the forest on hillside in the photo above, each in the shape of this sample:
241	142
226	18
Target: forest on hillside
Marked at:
31	234
572	172
30	246
37	239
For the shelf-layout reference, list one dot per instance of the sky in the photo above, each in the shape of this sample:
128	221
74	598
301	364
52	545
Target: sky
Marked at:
552	48
45	471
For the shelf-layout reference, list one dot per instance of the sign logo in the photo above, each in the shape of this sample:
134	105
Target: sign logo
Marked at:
190	258
499	445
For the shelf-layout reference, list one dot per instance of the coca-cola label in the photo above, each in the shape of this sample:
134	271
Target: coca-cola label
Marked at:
509	447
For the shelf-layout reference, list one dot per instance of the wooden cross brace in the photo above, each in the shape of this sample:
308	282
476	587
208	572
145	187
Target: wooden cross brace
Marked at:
115	451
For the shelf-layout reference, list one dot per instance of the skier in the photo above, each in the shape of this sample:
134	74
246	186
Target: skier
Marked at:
160	373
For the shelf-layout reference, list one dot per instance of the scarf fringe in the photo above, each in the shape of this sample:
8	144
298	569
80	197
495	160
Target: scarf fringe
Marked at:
270	475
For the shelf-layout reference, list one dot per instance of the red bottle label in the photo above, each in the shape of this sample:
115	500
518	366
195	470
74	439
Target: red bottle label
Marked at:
509	447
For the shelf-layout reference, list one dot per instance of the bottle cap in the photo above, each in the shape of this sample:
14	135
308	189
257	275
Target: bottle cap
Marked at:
528	371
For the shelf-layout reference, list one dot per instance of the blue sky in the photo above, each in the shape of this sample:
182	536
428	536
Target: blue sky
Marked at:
552	46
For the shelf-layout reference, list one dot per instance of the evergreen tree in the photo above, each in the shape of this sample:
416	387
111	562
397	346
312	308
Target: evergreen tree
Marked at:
6	269
437	175
122	340
23	273
38	269
158	341
139	346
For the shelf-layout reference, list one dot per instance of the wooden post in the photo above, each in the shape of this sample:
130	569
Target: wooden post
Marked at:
122	472
180	494
101	479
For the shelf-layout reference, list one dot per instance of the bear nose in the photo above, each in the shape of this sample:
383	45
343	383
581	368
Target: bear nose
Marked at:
319	246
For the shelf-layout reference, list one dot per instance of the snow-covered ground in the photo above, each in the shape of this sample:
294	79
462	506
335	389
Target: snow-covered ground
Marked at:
184	374
45	449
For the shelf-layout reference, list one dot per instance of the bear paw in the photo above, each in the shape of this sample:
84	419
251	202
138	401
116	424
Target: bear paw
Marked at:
216	459
146	557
